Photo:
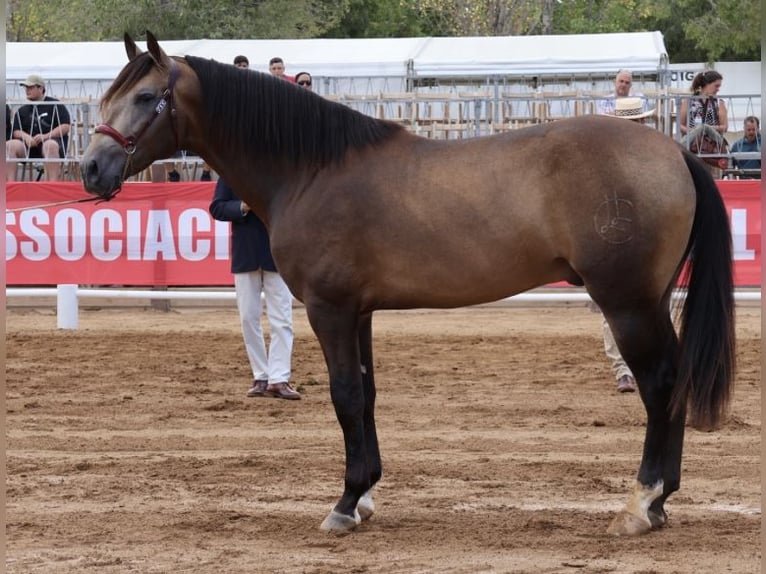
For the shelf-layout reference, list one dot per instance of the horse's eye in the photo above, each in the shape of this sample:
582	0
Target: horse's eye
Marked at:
144	97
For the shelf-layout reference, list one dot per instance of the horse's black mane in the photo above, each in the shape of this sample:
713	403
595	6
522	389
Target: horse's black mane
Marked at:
270	117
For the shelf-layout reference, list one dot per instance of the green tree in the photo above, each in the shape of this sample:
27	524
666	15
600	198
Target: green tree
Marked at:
101	20
694	30
26	20
378	19
602	16
485	17
718	30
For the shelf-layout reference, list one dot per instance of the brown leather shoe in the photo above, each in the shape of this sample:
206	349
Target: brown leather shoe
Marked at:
626	384
282	391
258	389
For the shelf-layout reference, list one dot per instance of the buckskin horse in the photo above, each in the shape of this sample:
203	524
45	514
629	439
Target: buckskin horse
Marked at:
364	215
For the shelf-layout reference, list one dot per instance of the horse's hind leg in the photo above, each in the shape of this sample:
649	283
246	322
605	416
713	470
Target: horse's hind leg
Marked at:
338	331
648	344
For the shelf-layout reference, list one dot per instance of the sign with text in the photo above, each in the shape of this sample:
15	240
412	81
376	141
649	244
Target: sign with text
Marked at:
149	234
163	234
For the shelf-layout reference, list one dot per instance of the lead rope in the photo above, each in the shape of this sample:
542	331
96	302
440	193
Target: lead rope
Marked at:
65	202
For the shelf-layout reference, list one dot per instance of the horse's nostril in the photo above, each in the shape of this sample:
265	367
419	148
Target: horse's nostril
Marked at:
91	168
89	172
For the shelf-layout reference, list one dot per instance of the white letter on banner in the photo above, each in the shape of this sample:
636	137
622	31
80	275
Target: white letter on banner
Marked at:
11	247
739	236
222	232
133	217
70	240
187	231
102	222
159	236
39	248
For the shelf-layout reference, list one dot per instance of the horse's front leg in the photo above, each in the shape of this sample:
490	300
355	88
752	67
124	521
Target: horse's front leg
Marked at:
338	332
366	506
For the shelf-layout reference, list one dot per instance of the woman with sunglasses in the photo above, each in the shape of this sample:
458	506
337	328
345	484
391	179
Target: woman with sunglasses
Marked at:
303	79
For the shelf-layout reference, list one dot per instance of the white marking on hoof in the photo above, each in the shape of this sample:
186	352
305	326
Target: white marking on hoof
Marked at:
366	506
337	522
634	518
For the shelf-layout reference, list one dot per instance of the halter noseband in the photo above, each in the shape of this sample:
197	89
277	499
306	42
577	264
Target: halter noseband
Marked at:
129	143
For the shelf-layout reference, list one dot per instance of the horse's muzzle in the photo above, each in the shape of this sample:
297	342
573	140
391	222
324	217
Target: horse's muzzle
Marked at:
99	181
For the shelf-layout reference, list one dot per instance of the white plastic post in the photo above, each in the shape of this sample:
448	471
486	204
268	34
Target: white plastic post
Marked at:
66	306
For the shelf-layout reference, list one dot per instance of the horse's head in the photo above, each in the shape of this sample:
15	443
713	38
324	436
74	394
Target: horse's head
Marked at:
139	119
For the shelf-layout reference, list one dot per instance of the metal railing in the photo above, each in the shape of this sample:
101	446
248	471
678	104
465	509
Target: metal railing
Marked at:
442	115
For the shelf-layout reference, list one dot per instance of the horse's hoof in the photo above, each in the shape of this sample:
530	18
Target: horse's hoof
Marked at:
658	519
366	506
337	522
635	519
627	524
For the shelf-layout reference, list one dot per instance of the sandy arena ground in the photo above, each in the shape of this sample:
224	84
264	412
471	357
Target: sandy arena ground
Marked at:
132	448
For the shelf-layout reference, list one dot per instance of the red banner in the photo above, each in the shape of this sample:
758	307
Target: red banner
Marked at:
162	234
743	203
149	234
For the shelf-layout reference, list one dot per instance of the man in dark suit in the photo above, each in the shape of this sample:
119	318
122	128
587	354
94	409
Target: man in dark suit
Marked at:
255	273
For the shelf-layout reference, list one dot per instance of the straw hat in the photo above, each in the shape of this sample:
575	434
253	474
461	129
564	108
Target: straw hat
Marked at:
630	109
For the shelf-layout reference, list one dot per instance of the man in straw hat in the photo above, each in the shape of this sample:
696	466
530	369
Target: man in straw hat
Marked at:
40	129
623	83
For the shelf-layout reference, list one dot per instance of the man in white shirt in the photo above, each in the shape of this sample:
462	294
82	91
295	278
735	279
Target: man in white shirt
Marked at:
623	82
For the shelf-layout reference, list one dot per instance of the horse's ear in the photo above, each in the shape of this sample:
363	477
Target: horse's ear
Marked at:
131	48
158	54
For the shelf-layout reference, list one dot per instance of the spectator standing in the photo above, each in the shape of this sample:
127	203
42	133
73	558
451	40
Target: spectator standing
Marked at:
40	129
255	273
623	82
277	68
304	80
750	142
704	108
704	119
241	62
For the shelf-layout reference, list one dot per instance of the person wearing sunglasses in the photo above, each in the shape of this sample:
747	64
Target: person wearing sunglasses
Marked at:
303	79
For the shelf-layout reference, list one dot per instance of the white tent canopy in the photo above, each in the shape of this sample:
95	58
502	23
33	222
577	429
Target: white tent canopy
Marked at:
395	58
104	60
540	55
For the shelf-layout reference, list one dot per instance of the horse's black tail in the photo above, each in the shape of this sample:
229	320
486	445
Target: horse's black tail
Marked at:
707	361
